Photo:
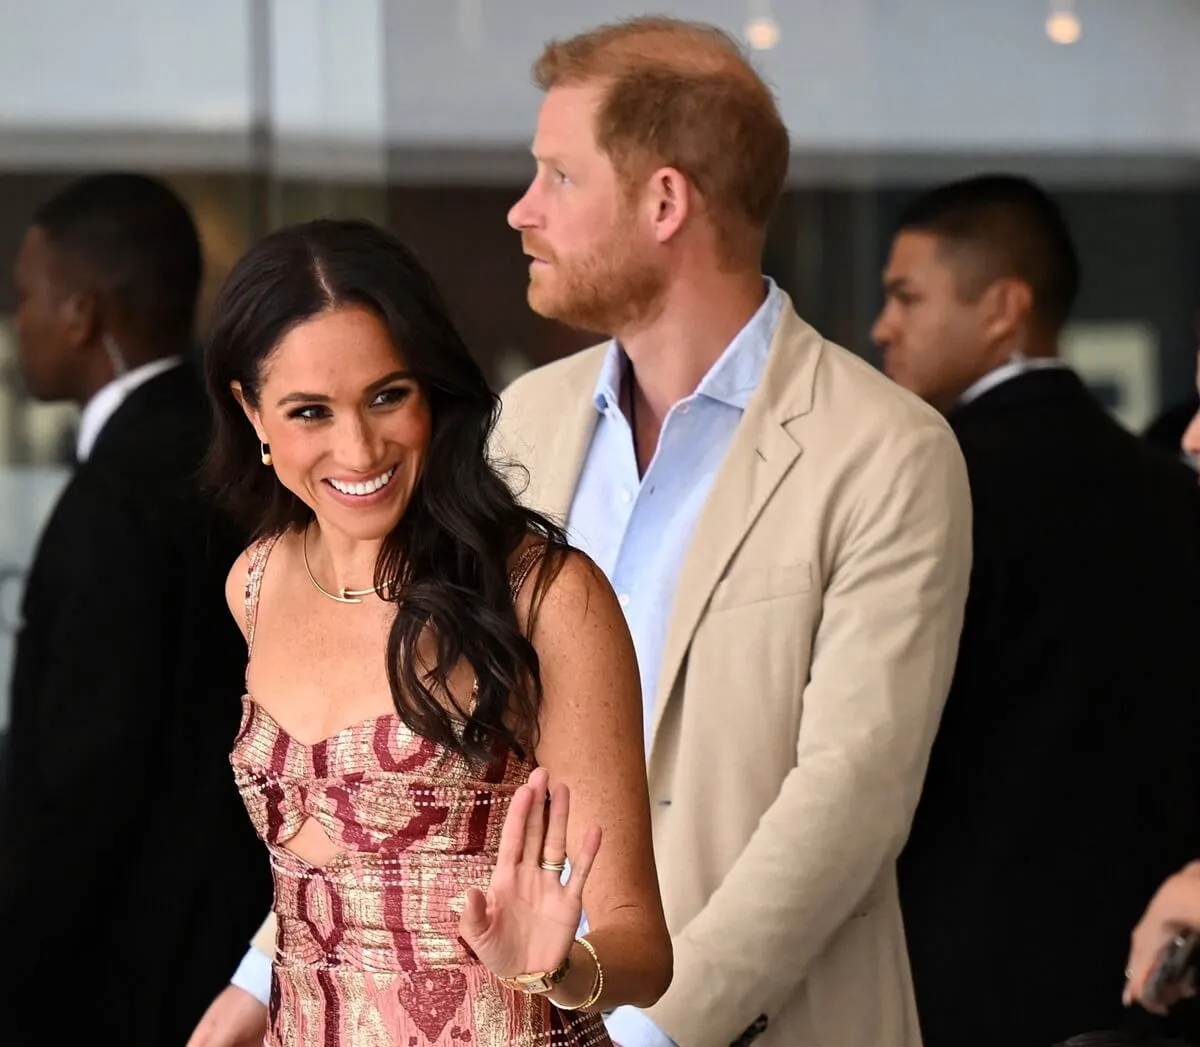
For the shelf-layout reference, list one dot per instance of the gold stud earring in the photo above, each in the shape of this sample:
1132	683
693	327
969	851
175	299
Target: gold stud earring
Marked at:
266	454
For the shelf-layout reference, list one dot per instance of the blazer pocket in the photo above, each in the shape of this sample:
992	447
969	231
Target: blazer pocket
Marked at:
756	584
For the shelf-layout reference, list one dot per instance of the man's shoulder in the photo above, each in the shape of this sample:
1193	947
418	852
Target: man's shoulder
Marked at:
152	466
535	405
144	475
862	400
572	374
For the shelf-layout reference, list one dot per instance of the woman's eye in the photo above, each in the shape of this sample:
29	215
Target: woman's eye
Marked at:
319	412
392	397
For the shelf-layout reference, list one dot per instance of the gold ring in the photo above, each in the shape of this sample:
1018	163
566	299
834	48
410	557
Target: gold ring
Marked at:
553	867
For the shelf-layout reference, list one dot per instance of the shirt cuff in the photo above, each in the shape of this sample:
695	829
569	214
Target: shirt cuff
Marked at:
631	1028
254	976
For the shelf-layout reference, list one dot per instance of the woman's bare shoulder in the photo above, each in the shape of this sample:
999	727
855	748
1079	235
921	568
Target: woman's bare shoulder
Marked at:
238	580
565	590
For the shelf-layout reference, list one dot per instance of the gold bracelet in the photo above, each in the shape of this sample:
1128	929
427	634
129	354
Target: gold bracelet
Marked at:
597	985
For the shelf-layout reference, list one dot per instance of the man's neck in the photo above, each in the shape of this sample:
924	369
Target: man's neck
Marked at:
100	373
1015	364
101	406
671	355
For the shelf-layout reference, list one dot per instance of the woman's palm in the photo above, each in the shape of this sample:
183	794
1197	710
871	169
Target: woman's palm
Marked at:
528	919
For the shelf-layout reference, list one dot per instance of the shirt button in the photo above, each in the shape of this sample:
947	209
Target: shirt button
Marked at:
626	495
683	408
623	599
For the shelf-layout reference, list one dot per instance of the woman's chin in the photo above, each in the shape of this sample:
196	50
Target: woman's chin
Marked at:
366	524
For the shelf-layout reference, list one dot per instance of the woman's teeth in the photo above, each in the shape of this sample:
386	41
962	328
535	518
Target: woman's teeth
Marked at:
365	488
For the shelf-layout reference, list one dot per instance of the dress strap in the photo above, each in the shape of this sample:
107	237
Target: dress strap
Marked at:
524	566
258	554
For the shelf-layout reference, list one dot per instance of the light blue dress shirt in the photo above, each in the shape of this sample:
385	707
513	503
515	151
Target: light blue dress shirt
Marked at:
638	530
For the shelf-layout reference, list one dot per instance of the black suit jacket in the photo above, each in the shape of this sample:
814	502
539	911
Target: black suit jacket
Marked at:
1064	784
1166	431
122	829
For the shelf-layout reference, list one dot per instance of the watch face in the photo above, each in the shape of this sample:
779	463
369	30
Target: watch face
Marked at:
539	982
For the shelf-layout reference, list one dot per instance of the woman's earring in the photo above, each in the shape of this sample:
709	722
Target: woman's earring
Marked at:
266	454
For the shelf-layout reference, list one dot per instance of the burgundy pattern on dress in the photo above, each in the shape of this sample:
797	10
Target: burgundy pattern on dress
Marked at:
368	952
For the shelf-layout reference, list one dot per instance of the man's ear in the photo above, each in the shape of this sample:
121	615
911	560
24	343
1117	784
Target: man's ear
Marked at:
80	315
669	198
1008	306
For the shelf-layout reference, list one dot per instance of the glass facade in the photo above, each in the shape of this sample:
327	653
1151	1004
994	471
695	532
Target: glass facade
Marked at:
418	116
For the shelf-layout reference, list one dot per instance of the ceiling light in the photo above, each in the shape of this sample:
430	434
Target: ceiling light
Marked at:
762	33
1063	25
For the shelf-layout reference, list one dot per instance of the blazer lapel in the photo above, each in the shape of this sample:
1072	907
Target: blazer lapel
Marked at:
568	443
759	457
550	441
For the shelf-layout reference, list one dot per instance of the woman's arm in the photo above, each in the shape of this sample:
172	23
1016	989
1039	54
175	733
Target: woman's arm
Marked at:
591	741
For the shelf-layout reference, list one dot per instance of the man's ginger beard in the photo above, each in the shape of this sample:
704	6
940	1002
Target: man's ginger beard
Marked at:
609	289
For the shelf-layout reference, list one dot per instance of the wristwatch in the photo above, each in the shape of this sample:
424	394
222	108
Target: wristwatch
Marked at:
539	982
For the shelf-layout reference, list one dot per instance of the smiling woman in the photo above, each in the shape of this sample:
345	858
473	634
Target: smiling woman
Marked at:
429	662
367	427
332	341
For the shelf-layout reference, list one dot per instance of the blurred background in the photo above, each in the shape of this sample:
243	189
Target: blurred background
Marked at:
418	114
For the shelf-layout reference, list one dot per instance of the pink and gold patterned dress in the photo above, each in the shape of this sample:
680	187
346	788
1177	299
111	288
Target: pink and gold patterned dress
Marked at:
368	952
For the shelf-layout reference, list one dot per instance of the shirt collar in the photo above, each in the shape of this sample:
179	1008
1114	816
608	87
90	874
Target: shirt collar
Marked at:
1018	365
731	380
103	405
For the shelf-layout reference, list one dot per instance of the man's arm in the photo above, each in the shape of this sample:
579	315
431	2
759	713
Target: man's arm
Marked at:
80	766
629	1027
883	658
253	975
238	1016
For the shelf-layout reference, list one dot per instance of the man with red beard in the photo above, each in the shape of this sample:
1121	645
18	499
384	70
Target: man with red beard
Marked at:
788	533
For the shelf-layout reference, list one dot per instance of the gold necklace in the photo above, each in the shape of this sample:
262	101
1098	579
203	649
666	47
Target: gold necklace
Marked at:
343	595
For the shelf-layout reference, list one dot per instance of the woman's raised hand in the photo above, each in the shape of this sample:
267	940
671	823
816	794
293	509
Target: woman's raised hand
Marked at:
528	919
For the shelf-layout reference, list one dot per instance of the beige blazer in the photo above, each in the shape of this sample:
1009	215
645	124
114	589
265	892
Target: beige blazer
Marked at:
808	655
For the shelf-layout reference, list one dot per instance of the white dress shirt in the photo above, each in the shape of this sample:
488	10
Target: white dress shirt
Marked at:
1018	365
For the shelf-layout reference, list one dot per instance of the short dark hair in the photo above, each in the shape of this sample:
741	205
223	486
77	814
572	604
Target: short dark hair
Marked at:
445	564
1015	227
137	240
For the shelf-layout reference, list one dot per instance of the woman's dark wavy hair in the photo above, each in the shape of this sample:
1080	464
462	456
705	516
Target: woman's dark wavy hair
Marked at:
445	564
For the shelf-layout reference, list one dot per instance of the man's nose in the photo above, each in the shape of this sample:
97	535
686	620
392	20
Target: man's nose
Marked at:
881	329
522	214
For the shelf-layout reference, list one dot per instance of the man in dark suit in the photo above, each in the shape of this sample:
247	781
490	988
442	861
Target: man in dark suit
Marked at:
1168	428
118	808
1064	784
